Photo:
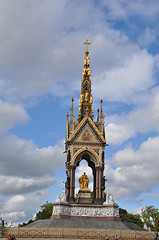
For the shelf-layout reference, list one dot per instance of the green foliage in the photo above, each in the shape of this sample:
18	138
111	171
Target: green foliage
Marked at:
123	214
24	224
150	216
46	211
129	217
156	224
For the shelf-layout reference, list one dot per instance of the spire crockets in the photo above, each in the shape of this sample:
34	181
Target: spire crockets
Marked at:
86	99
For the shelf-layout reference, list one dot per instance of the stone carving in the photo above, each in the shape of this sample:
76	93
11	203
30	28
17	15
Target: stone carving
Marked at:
58	199
85	211
109	198
62	198
83	182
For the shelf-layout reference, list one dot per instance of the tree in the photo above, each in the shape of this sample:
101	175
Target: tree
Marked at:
129	217
123	214
46	211
150	217
25	224
156	224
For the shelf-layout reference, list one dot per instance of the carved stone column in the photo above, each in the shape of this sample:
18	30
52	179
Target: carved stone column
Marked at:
99	185
71	170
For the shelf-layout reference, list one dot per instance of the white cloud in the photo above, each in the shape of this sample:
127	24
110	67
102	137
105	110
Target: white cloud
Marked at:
122	9
147	37
17	184
17	209
28	159
11	115
141	120
37	61
129	81
26	174
132	172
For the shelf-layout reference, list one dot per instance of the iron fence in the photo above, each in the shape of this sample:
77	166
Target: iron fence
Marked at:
75	233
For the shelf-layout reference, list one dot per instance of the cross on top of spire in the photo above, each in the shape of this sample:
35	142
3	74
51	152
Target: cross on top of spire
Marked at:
87	45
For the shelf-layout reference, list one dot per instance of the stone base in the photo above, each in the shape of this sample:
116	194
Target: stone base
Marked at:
89	211
84	197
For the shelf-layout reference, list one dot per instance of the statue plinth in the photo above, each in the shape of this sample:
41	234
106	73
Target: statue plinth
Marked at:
84	196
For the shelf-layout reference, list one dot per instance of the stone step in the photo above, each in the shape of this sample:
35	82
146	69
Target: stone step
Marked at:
69	223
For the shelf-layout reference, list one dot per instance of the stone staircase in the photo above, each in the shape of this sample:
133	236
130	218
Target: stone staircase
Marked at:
93	224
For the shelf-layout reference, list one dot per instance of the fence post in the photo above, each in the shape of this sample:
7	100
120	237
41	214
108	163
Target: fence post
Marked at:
47	233
18	232
120	233
135	233
62	232
105	232
1	226
77	232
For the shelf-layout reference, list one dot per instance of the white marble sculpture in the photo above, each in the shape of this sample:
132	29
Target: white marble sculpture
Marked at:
109	198
63	197
58	199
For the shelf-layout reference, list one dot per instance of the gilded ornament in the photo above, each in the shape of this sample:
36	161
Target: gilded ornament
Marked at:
83	182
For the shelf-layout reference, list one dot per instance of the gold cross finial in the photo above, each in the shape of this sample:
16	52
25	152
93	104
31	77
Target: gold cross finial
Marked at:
87	45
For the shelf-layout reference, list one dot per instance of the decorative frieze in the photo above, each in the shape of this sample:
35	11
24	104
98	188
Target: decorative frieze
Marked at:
83	211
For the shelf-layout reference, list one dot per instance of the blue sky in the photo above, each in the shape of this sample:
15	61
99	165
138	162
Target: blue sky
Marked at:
41	62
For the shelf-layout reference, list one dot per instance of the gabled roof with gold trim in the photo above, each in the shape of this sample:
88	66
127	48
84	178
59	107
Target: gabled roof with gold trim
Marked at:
81	125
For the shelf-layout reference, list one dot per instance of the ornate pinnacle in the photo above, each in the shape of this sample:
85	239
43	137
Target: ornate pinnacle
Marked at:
72	116
87	45
67	115
86	99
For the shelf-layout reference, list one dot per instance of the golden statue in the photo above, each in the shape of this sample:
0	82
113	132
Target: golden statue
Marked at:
83	182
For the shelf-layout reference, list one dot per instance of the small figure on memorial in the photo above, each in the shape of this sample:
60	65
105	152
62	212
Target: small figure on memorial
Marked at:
13	237
83	181
113	237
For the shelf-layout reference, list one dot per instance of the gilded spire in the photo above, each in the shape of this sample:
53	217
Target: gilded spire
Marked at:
72	116
101	112
86	98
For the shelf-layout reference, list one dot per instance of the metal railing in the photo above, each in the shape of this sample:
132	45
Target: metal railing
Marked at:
72	233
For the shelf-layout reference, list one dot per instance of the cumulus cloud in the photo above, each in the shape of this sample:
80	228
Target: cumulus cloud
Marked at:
36	61
131	172
147	37
123	9
141	120
11	115
25	154
17	209
26	174
129	81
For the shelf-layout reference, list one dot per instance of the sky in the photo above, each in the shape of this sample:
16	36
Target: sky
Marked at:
41	62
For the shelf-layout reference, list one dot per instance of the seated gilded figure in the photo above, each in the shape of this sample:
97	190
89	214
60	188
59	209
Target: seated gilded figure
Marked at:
83	182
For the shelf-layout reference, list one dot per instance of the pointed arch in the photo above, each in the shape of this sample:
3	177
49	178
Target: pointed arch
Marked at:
88	154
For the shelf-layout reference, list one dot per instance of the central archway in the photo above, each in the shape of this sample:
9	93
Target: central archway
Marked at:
91	158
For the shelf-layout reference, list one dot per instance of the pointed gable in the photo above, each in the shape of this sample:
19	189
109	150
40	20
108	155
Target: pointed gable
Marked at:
86	131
